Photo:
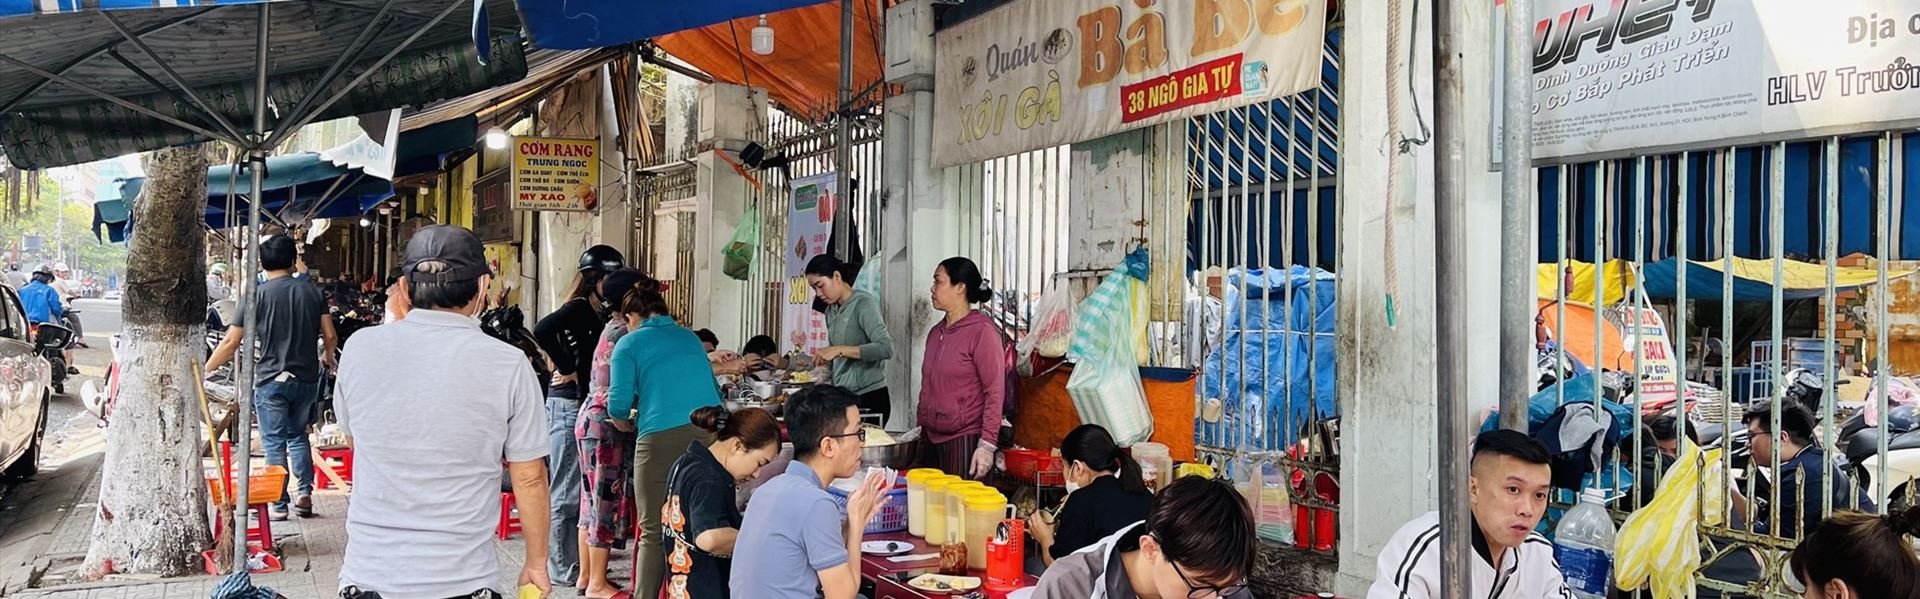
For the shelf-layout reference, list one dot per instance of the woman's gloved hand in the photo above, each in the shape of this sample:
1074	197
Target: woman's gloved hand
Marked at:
982	461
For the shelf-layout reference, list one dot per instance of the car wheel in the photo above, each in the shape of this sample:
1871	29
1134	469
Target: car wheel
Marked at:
29	462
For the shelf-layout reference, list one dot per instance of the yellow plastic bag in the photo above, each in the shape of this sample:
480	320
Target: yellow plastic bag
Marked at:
1659	545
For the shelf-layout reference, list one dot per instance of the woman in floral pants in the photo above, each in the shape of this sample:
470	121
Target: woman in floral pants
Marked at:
606	454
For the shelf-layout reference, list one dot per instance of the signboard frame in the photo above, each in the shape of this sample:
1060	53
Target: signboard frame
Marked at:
562	188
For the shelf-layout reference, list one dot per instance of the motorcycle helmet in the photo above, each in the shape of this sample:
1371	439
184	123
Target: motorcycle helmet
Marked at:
602	258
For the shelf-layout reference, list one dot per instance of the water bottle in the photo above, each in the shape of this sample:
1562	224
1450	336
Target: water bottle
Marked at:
1583	543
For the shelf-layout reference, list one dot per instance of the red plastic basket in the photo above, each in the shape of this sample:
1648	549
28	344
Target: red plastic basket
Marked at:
1029	464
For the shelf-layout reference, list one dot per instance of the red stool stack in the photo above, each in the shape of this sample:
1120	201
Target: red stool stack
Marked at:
339	460
509	520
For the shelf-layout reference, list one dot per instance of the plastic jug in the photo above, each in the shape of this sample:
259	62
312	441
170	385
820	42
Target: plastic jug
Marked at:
917	499
1583	543
934	523
985	510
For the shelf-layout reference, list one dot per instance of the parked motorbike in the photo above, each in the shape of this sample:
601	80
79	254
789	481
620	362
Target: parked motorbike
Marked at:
508	323
51	341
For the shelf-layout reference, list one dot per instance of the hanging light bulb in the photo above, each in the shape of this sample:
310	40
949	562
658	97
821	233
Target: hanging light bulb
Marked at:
496	138
365	223
763	37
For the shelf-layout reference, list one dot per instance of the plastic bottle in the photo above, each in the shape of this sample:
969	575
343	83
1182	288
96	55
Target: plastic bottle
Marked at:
1583	543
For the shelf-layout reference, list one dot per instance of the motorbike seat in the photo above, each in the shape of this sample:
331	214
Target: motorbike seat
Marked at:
1904	441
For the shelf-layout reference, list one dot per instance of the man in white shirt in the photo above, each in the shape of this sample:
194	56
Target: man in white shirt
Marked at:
1508	490
433	406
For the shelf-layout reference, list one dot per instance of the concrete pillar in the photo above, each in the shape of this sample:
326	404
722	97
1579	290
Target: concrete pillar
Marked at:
922	215
1387	306
726	114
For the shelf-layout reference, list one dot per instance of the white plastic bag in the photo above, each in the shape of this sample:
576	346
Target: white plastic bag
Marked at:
1050	333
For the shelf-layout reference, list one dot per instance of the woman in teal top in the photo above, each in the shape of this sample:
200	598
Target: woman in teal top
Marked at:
857	342
659	375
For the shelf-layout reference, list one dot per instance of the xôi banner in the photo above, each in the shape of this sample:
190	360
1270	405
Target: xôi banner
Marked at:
1035	74
809	224
554	173
1622	77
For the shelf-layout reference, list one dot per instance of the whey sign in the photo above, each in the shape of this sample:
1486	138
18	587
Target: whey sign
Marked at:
1036	74
1618	77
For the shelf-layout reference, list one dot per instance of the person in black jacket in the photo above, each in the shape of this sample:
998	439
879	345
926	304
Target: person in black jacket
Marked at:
1105	493
568	336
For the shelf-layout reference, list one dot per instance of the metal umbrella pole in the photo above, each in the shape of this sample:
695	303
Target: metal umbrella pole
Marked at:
842	134
1517	280
1450	296
244	371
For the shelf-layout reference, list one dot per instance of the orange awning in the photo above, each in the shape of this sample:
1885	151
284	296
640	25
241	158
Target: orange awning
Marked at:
803	73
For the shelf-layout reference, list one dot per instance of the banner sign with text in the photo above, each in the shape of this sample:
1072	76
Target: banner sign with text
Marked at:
554	173
1647	76
809	224
1036	74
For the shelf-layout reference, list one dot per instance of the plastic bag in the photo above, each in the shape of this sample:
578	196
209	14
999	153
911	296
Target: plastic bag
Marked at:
1659	545
1105	385
737	256
1050	333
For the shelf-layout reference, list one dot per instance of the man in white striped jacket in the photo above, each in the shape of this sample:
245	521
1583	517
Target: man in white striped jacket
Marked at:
1508	490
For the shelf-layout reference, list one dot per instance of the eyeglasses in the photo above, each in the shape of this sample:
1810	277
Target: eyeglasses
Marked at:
859	434
1197	591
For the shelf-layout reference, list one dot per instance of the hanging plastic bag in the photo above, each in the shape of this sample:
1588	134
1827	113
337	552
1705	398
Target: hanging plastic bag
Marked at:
1105	385
1659	545
737	256
1050	332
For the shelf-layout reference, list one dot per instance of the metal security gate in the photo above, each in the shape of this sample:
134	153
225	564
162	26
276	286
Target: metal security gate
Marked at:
1774	270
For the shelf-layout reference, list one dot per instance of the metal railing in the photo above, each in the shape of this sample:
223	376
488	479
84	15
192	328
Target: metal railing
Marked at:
1679	220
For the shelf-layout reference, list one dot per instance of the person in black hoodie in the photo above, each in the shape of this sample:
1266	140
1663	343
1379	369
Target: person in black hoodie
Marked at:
568	336
1105	494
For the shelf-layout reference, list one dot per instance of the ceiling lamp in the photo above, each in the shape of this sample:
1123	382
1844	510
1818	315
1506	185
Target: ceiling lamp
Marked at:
762	37
496	138
365	223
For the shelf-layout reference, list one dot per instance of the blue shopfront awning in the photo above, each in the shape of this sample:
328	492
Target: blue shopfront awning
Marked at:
298	188
581	24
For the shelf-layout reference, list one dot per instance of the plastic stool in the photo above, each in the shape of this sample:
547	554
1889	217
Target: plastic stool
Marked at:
261	531
339	460
509	521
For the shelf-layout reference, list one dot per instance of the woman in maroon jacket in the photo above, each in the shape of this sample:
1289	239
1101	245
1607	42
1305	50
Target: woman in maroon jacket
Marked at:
963	377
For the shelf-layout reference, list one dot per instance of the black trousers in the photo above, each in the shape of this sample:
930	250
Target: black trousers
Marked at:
878	402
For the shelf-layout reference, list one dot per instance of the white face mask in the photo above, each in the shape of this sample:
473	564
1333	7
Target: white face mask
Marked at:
1072	486
1068	474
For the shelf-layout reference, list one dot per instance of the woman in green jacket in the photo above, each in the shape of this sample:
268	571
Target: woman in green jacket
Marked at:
857	343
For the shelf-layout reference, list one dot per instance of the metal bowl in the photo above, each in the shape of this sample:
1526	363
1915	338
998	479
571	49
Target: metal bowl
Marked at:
898	456
737	404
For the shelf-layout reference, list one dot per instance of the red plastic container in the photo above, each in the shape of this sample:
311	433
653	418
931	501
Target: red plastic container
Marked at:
1027	464
1007	555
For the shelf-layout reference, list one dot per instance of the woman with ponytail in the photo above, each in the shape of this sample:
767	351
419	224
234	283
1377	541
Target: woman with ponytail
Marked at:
964	375
1105	493
1855	555
701	517
606	453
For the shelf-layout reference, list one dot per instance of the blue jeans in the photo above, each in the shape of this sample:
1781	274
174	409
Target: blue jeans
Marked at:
284	410
563	478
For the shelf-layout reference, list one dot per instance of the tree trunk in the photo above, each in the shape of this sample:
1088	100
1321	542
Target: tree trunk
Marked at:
152	514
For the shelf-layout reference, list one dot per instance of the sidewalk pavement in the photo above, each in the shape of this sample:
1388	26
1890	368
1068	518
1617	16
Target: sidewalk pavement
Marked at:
311	551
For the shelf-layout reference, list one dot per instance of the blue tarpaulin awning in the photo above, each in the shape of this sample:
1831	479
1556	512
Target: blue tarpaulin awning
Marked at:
298	187
582	24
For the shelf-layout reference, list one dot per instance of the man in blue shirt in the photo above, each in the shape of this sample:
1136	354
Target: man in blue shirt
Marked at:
43	306
793	543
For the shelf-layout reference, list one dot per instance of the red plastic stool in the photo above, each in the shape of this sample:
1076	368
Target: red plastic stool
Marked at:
338	460
509	521
261	531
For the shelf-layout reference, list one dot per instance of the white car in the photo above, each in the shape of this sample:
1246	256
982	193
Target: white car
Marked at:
111	295
25	378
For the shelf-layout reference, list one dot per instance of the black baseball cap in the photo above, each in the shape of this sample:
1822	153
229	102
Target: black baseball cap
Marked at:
444	254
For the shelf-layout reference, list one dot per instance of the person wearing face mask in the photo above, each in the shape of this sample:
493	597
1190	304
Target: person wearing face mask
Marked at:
701	518
1858	555
1197	542
431	406
567	336
1105	493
